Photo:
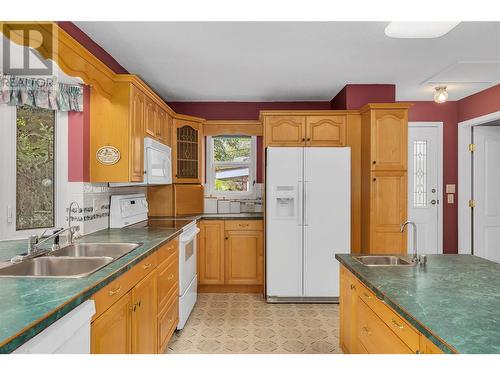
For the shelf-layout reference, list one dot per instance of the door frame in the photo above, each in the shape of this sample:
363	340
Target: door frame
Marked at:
440	186
465	180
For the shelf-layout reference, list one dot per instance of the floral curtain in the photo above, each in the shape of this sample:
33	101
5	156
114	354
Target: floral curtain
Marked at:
41	92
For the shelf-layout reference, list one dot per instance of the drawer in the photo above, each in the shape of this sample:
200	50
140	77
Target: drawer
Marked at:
168	277
243	225
397	324
167	322
374	335
166	250
117	288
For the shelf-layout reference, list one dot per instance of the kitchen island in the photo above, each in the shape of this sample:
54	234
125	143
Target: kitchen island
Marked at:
452	301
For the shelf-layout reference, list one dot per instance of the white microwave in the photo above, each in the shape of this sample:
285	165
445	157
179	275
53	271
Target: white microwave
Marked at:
157	165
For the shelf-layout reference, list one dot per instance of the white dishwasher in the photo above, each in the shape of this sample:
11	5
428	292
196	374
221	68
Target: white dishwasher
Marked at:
68	335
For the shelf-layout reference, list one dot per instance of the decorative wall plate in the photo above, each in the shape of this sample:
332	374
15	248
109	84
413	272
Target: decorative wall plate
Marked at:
108	155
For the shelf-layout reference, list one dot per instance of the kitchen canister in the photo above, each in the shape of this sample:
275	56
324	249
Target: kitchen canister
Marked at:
223	206
235	207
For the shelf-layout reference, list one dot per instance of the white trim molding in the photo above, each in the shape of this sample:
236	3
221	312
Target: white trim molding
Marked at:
439	125
464	179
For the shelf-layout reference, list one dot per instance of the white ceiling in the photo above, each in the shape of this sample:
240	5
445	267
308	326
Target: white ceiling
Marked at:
273	61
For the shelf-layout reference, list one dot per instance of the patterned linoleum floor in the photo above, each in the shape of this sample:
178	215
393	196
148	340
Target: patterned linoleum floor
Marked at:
245	323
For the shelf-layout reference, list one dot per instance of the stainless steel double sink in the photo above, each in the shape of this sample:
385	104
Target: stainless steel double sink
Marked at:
73	261
385	260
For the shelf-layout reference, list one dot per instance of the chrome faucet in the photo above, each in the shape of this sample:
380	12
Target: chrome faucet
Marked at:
34	243
414	226
71	233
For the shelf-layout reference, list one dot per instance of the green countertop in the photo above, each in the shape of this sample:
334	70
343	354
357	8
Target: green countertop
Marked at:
240	216
455	298
28	305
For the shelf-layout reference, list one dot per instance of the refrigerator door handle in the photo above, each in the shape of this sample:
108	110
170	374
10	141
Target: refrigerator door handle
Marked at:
306	199
300	212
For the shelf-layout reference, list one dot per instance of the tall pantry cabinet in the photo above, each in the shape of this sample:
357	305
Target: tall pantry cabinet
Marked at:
384	191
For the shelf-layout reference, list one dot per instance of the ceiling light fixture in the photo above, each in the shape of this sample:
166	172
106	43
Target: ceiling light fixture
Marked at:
419	29
441	94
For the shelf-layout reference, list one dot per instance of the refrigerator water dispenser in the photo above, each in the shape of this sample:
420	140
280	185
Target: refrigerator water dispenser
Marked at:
285	201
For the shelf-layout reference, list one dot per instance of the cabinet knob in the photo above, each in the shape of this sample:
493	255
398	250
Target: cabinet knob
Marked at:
227	238
374	179
374	162
303	139
308	139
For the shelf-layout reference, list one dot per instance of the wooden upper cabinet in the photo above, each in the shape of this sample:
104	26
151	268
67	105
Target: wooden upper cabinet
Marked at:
389	141
211	252
388	211
111	332
164	127
285	131
150	122
326	131
244	257
187	151
144	312
137	116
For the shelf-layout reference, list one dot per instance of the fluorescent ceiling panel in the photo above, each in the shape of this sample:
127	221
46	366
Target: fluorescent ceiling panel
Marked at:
417	30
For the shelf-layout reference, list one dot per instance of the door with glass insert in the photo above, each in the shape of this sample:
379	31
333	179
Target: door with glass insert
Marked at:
424	195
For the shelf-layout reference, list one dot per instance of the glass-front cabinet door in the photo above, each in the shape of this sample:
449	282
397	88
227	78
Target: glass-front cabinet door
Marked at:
187	151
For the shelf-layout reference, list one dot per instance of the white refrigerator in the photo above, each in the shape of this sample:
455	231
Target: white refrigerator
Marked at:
308	221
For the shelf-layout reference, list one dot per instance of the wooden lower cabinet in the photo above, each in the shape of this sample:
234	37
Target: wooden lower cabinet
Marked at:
144	309
211	253
369	326
231	256
138	312
244	257
347	308
111	332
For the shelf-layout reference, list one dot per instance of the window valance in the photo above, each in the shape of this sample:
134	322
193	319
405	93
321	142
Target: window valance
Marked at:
40	92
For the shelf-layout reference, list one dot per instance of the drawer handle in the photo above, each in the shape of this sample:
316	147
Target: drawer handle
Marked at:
395	323
367	295
353	287
243	225
170	277
170	320
113	292
146	266
132	308
367	331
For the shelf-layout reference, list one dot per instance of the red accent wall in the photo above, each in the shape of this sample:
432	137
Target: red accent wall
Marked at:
354	96
92	46
479	104
79	141
239	110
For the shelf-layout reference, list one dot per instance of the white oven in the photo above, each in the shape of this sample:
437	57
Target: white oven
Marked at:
188	279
